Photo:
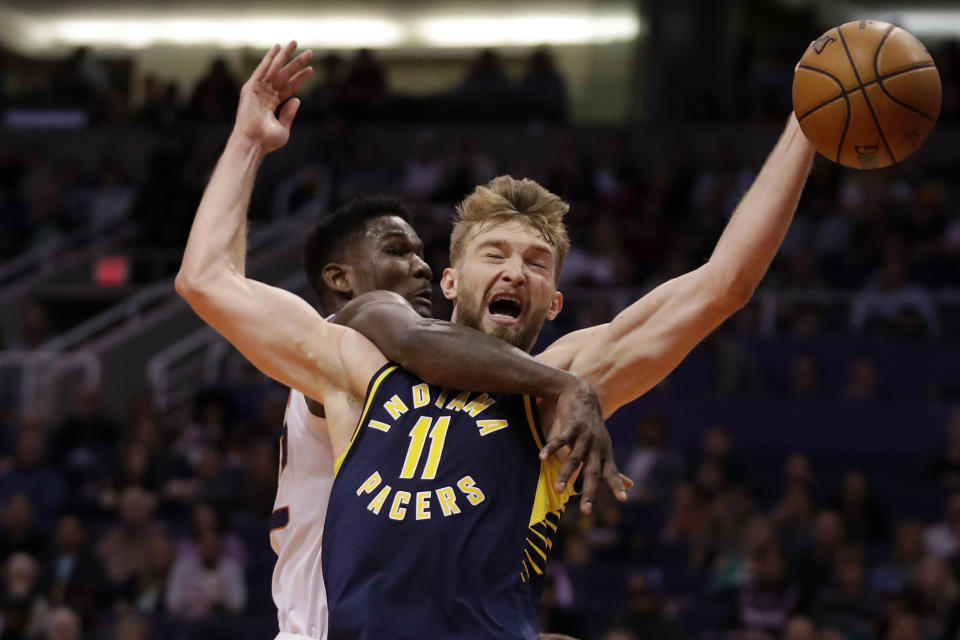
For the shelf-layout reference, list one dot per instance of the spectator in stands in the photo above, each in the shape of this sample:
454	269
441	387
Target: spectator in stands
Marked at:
424	170
730	570
486	89
87	436
863	380
325	98
814	563
846	605
72	575
793	516
890	306
24	610
655	468
148	590
730	512
931	594
215	95
123	549
31	475
645	616
542	88
365	89
798	471
206	584
205	517
941	538
35	327
689	516
208	427
769	600
800	629
110	199
863	518
556	612
160	107
131	627
64	625
904	626
19	530
906	551
259	480
604	531
716	448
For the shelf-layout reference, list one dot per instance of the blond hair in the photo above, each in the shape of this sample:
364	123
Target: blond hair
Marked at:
504	199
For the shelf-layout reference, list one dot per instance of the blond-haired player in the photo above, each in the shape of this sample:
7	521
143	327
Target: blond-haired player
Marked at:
401	519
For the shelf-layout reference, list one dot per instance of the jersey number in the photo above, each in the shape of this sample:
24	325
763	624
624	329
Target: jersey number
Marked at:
418	436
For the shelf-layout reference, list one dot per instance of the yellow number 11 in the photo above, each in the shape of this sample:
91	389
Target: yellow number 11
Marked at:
418	436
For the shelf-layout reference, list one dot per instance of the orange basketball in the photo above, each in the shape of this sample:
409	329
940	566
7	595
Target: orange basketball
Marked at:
866	94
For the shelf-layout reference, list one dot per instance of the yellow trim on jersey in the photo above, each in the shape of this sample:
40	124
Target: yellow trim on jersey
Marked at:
528	405
366	407
547	499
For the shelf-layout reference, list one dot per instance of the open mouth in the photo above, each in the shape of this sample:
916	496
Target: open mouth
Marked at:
505	308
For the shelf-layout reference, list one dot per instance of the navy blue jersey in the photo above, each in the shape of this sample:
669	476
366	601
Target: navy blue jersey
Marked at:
441	516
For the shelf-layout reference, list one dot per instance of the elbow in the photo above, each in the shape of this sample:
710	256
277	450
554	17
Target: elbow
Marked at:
187	285
739	294
731	292
191	285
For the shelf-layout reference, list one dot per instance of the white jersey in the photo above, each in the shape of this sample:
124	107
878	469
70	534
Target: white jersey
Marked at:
296	528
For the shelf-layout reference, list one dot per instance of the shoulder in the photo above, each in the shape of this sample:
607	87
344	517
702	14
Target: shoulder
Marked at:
562	353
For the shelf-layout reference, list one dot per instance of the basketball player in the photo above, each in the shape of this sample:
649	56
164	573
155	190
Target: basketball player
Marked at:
365	245
441	512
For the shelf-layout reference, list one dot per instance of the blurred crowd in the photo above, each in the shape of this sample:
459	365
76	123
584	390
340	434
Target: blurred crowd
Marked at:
717	543
127	531
130	531
135	529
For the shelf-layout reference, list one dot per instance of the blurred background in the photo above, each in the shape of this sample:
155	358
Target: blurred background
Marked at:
797	477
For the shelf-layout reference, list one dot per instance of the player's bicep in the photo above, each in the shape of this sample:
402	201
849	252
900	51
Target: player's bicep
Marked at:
628	356
277	331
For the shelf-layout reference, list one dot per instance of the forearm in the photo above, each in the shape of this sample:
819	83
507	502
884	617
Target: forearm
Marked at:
449	354
760	222
219	233
452	355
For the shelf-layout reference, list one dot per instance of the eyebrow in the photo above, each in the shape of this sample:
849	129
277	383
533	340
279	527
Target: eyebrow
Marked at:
500	243
394	234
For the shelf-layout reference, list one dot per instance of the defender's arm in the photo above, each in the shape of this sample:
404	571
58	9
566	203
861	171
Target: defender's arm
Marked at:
456	356
626	357
279	333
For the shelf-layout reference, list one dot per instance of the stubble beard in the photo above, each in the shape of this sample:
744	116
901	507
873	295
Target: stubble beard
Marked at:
522	336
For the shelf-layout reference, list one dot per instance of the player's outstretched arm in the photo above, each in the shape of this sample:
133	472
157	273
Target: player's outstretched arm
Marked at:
455	356
278	332
626	357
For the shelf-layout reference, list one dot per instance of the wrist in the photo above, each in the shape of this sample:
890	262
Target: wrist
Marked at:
246	144
571	383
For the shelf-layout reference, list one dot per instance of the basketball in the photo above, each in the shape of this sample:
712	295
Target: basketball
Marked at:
866	94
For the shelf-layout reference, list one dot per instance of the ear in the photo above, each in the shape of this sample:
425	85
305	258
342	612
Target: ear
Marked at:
337	278
448	283
555	305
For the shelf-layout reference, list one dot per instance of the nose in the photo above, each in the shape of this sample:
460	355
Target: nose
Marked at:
513	270
421	269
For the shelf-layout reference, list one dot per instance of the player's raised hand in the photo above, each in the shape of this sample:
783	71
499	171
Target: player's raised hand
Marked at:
580	427
272	83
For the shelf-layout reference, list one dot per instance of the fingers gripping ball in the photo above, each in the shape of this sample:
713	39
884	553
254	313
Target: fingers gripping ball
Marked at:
866	94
